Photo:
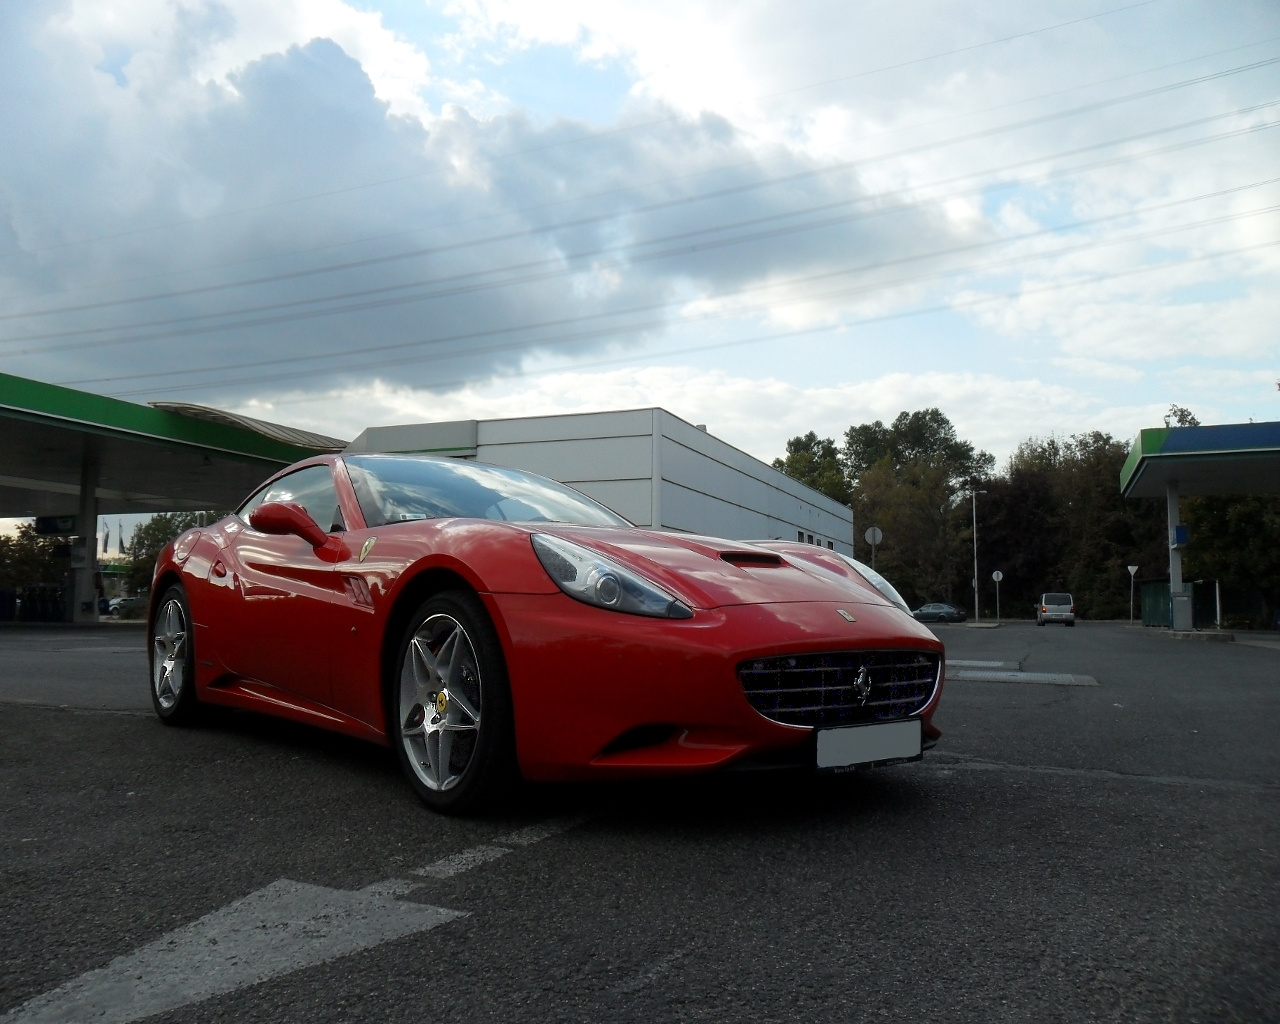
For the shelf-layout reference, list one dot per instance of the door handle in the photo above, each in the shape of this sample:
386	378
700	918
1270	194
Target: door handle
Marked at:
219	568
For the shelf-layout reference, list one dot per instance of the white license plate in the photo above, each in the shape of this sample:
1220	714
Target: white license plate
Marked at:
865	744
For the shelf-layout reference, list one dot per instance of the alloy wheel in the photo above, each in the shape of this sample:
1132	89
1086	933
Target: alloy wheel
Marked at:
441	701
169	660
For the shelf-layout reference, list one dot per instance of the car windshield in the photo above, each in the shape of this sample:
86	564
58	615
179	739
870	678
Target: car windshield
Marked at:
404	488
1057	599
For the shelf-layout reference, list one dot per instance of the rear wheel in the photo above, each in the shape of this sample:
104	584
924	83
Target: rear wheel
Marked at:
1070	624
173	686
451	721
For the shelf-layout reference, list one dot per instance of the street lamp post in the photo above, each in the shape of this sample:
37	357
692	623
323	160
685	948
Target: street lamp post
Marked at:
977	612
1133	572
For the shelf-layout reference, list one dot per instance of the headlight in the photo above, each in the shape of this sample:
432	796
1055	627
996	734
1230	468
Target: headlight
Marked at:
879	582
590	577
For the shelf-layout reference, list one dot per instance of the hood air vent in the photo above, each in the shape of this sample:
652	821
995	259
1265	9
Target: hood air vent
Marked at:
752	559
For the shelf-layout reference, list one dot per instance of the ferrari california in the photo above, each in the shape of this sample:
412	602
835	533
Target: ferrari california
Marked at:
486	624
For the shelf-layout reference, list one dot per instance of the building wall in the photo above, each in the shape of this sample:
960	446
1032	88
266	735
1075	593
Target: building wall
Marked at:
607	455
647	465
709	486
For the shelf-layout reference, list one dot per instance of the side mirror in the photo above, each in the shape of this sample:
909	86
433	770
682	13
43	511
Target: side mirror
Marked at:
281	517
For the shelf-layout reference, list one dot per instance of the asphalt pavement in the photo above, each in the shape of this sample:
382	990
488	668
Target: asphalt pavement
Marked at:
1067	853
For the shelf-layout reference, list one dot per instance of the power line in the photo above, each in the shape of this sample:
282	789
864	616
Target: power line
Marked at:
583	138
799	332
721	193
843	292
607	193
549	268
785	283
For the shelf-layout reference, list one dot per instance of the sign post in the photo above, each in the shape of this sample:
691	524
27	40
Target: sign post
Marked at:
997	576
874	537
1133	571
977	608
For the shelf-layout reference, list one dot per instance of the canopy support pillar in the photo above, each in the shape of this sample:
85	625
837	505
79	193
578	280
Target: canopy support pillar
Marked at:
84	605
1179	598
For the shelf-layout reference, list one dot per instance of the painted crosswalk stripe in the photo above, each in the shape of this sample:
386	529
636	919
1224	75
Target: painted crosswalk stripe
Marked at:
463	860
274	931
531	834
1046	678
277	930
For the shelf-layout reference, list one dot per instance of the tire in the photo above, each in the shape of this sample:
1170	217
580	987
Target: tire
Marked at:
1039	622
1069	625
449	716
172	660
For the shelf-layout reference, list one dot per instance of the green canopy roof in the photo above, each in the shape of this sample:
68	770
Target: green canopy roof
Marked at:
150	459
1233	458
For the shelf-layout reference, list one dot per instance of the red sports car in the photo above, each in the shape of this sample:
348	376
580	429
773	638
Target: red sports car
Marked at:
485	622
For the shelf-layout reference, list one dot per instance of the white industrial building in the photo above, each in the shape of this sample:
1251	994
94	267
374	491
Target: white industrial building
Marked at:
647	465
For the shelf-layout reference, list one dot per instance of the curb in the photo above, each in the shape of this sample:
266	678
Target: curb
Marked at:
1206	637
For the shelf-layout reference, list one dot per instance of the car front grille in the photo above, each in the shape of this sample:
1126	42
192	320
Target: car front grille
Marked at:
829	688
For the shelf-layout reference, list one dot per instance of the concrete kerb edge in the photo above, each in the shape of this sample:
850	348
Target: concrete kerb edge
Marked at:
1205	636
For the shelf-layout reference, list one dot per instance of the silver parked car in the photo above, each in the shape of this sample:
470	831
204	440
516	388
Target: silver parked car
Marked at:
1056	608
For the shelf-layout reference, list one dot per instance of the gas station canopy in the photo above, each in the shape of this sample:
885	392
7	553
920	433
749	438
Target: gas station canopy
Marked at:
159	458
1234	458
1172	462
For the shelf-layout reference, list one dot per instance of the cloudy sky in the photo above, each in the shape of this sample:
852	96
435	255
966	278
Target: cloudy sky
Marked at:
766	217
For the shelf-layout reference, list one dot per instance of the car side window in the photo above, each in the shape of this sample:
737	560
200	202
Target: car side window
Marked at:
312	488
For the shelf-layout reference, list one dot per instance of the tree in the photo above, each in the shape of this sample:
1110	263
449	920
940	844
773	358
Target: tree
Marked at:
1098	531
150	537
814	460
1022	535
1233	541
915	507
907	479
26	558
926	437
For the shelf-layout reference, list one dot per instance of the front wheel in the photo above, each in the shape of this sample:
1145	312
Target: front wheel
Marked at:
451	721
173	666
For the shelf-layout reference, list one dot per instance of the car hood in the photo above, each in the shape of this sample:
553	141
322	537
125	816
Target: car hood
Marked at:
710	572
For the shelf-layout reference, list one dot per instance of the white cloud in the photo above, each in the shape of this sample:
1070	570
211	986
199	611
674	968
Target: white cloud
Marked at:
755	414
187	136
213	40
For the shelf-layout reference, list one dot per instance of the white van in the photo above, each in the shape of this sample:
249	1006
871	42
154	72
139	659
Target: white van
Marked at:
1056	608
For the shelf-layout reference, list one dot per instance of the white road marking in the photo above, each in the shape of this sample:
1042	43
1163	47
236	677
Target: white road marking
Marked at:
45	706
958	663
473	856
1098	773
463	860
277	930
531	834
1049	678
